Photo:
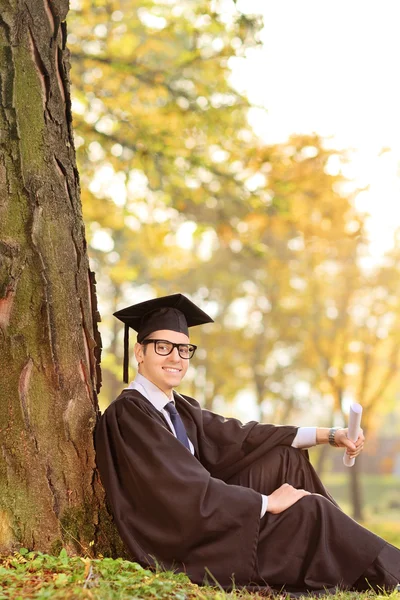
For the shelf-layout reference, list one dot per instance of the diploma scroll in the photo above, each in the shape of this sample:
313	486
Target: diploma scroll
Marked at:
353	430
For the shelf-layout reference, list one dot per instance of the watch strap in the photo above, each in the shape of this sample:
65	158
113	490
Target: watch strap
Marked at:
331	437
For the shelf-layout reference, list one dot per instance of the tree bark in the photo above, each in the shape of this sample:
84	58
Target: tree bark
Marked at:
49	343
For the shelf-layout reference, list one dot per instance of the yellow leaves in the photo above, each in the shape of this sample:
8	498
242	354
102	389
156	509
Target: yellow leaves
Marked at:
88	563
290	240
122	272
225	233
5	529
101	210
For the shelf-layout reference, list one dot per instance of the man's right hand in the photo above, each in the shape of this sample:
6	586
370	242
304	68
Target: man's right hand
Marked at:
283	498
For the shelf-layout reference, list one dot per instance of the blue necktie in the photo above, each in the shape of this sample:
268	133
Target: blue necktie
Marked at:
178	424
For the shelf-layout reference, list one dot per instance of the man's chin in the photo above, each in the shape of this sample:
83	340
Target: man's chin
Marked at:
172	379
175	379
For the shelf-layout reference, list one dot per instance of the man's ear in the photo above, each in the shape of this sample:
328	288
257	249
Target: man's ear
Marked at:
138	353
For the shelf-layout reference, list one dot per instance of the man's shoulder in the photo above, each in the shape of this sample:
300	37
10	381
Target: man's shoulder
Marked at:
127	396
183	398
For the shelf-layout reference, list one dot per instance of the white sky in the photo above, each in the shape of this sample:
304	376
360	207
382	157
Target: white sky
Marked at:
332	67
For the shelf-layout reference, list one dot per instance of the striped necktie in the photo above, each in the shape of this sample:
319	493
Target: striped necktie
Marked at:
178	424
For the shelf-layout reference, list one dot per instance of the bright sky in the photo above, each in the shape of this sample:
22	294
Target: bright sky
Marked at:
332	67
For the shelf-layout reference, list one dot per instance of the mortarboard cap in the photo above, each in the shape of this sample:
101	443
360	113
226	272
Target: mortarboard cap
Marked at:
175	312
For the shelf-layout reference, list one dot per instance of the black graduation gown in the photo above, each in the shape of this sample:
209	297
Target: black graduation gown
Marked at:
195	514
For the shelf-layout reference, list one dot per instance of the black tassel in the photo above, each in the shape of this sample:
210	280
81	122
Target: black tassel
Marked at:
126	354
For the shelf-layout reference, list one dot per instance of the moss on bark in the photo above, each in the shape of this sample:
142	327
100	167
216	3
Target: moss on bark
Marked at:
28	103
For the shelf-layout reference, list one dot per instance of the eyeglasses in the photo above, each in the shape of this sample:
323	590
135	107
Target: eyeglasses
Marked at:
164	347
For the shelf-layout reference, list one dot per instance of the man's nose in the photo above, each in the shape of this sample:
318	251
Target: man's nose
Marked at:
175	354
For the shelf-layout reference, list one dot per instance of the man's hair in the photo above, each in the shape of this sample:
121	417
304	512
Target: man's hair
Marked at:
148	336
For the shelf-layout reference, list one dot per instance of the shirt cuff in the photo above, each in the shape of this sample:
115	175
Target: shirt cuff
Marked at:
264	505
305	437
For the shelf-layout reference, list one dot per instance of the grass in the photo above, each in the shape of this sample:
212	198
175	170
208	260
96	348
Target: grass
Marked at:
36	576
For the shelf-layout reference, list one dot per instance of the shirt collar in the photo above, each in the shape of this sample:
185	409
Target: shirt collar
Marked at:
157	397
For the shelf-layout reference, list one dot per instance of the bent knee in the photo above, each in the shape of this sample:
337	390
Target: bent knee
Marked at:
285	451
315	502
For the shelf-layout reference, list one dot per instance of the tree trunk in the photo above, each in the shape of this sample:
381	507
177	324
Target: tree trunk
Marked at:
323	454
355	490
49	343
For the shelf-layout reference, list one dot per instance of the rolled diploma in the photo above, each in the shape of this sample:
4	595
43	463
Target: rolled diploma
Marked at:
353	430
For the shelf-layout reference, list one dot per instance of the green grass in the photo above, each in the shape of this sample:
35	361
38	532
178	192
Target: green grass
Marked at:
36	576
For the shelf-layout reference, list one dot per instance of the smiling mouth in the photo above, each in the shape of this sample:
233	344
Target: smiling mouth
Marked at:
171	370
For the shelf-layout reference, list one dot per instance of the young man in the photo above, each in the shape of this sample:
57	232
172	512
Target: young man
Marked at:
239	504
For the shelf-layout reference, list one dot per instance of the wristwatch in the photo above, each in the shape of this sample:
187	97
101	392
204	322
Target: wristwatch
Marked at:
331	437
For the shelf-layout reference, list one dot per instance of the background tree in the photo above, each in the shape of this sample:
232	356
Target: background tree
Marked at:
161	137
355	338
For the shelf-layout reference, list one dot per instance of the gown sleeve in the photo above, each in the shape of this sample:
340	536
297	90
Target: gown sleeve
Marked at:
226	445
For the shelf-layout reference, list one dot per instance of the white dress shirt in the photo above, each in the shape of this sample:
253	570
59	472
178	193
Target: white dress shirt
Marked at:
306	437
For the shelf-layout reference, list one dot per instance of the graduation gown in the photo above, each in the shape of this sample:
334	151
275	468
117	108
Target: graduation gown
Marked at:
198	513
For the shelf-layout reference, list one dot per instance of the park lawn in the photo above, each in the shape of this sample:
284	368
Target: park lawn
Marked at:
36	576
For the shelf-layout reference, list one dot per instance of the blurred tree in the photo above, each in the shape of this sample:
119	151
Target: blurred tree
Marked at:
355	335
343	319
162	139
260	274
316	321
178	128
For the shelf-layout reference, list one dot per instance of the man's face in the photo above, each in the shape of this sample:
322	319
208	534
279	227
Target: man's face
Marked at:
166	372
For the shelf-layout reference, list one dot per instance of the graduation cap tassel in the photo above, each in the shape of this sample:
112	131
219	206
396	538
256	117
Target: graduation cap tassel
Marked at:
126	354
